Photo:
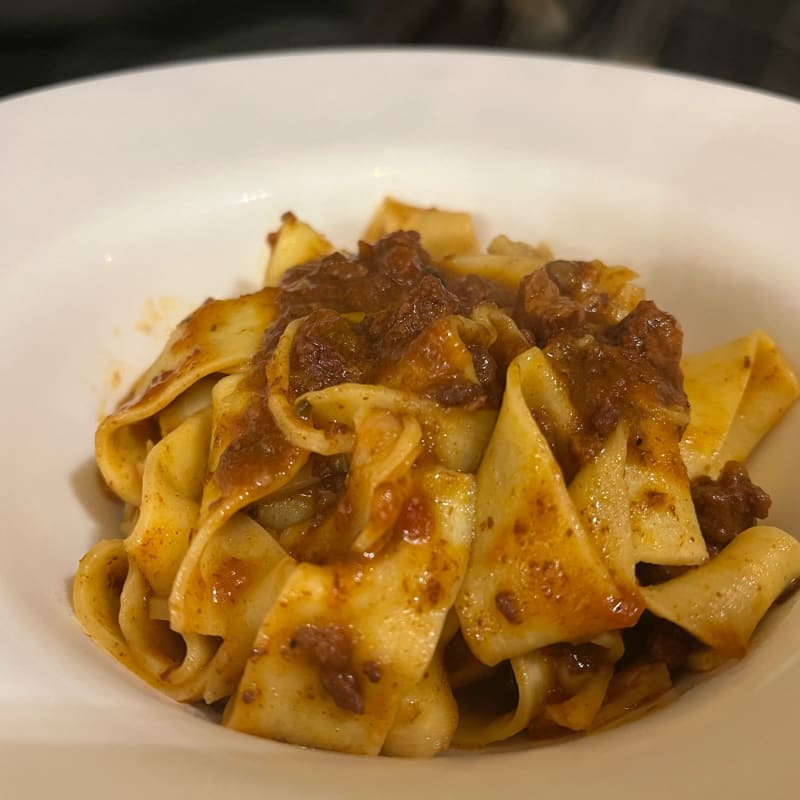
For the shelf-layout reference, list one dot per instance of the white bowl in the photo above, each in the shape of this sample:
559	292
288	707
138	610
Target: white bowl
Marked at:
129	200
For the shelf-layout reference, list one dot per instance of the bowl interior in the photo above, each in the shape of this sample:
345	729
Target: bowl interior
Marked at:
686	191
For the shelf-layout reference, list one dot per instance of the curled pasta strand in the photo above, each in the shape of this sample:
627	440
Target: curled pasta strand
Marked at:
299	432
534	676
397	460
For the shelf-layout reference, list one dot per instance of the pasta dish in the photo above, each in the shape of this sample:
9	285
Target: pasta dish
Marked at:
424	496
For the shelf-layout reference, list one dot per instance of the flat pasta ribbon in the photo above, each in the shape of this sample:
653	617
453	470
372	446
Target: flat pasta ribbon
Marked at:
426	717
533	676
722	601
737	393
221	336
344	643
442	233
534	576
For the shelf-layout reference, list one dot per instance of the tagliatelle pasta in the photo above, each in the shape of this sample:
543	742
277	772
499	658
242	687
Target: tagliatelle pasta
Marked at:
423	496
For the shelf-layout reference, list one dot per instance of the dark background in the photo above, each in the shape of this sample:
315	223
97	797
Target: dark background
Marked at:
752	42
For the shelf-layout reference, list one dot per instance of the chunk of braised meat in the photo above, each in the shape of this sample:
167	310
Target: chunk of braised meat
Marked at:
399	256
562	296
331	471
400	295
578	281
474	290
542	309
461	393
653	337
327	351
576	659
623	372
569	276
330	648
487	372
336	281
728	505
497	694
671	644
373	281
655	639
423	304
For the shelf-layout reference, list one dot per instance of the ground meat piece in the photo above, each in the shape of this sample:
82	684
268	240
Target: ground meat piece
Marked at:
328	350
727	506
495	695
655	639
576	658
652	336
336	281
507	605
256	446
400	295
415	522
652	574
373	281
563	296
330	470
428	301
398	255
459	393
605	414
373	671
474	290
627	371
487	372
569	276
669	643
542	309
331	649
332	474
578	281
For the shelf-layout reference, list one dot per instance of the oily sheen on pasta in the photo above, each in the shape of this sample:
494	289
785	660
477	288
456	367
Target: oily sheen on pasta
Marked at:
423	496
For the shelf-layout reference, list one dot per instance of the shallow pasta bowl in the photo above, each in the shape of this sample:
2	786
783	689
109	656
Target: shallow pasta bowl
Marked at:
129	200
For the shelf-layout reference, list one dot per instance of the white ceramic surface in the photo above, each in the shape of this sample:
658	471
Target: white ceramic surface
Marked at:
126	201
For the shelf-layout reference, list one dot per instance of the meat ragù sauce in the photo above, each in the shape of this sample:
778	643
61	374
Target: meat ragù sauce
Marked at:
368	312
372	318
